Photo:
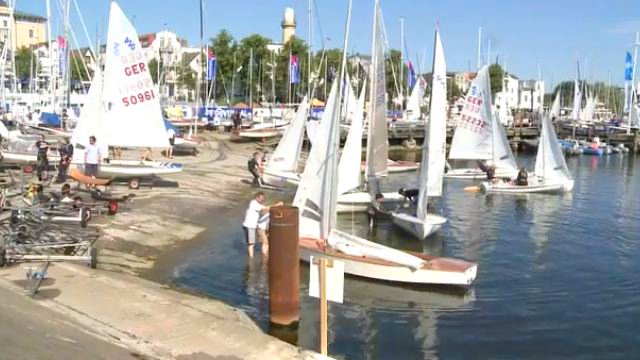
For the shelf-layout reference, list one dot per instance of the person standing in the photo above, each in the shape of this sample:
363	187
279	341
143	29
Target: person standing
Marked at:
42	160
92	157
256	168
237	120
256	212
66	154
172	141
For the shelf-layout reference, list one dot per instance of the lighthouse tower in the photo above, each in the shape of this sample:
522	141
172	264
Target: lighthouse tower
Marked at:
288	25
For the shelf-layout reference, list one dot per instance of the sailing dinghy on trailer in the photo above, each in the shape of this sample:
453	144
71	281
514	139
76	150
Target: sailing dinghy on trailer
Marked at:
317	200
433	160
123	109
551	172
479	136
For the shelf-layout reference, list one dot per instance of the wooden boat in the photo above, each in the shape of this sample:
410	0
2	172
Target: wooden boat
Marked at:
316	198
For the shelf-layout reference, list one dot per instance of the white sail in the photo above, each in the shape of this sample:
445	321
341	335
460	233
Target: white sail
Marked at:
437	128
555	108
550	162
91	121
577	98
589	110
502	155
377	146
350	99
287	154
472	137
316	194
415	100
351	158
133	113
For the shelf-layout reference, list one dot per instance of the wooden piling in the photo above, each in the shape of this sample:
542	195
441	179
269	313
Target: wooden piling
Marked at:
284	266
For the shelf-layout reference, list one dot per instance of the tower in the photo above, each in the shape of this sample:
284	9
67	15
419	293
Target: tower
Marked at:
288	25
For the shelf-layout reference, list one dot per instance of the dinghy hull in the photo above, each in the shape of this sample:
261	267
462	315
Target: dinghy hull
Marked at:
507	188
442	271
477	174
359	201
416	227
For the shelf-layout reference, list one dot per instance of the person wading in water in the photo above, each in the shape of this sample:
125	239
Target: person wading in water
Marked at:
254	220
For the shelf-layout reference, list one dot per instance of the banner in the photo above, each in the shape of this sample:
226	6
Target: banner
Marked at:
212	65
62	56
294	70
628	78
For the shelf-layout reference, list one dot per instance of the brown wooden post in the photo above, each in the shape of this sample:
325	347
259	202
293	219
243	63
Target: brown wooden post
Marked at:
284	266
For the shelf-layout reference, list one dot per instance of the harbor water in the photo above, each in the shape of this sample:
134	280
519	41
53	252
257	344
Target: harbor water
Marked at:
558	276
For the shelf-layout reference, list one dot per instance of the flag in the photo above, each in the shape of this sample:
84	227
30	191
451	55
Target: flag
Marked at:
411	75
294	70
212	64
628	67
62	56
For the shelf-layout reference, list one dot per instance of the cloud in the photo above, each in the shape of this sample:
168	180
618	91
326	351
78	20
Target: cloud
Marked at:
625	27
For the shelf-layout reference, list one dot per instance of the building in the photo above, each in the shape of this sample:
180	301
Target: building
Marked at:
463	80
531	95
288	26
28	30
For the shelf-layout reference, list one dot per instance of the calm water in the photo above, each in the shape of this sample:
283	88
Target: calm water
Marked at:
558	277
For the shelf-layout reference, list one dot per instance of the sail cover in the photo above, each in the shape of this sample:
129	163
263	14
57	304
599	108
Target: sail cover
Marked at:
472	138
133	113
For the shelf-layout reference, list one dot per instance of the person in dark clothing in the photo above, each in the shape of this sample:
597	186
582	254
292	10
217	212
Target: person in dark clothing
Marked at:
491	173
66	154
410	194
237	120
523	178
255	168
42	159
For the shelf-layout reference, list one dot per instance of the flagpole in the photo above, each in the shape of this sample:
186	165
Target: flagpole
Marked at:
633	80
251	80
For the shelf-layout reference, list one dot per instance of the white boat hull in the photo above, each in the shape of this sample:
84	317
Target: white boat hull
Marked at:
444	271
394	167
537	187
478	174
281	178
416	227
360	201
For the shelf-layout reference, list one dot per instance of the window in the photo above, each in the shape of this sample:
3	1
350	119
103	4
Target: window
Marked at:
6	23
30	33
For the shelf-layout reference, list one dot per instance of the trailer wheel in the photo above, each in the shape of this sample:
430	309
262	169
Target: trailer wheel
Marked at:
3	255
134	184
113	207
93	255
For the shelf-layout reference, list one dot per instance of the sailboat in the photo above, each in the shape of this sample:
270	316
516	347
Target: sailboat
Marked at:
551	172
282	167
317	200
123	108
479	135
433	161
412	113
377	153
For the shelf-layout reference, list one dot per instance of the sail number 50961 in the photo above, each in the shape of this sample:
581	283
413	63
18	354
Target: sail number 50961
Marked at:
138	98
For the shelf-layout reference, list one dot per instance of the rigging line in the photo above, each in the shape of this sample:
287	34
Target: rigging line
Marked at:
86	33
387	47
319	23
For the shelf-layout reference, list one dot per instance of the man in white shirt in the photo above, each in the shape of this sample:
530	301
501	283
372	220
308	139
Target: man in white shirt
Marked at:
92	158
254	219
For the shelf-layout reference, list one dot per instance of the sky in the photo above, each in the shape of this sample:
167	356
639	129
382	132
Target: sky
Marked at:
532	39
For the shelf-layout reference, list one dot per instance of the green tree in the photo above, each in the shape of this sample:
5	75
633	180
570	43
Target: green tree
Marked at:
496	74
153	70
79	70
453	91
224	47
24	62
258	45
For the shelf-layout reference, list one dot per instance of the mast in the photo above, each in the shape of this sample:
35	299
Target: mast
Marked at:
633	81
200	65
67	79
479	48
310	51
50	45
401	70
251	79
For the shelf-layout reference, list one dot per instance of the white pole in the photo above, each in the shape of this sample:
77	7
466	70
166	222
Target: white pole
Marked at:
479	48
633	82
310	51
402	54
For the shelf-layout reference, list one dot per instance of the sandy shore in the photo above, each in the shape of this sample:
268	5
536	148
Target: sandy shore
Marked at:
163	222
